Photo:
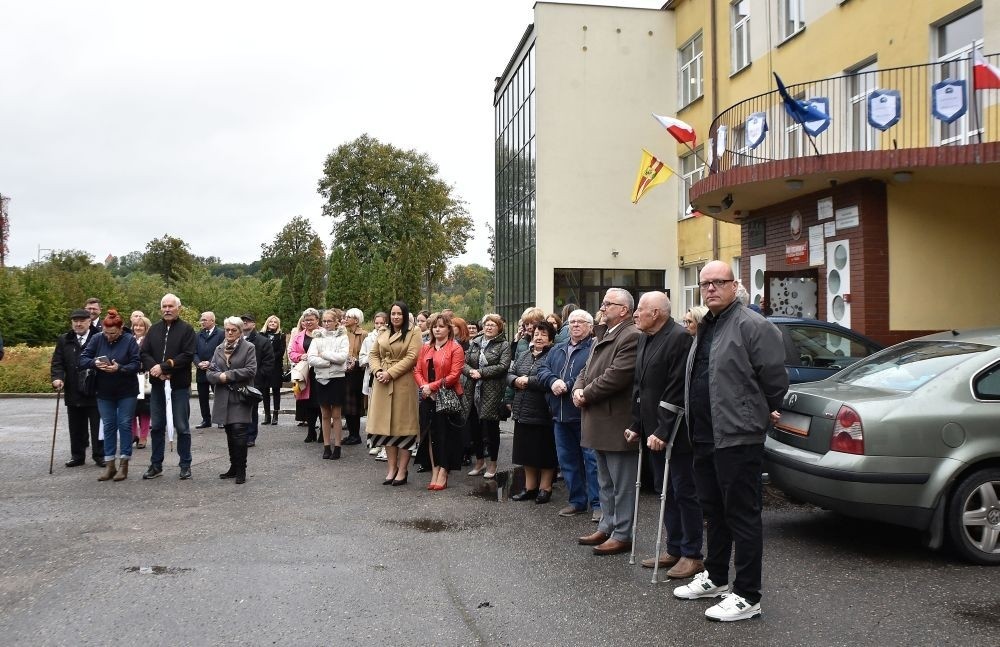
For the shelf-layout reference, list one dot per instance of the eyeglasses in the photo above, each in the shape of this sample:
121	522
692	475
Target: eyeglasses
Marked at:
578	322
718	283
686	322
605	304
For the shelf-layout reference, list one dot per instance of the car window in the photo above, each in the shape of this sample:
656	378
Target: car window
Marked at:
823	348
910	365
986	386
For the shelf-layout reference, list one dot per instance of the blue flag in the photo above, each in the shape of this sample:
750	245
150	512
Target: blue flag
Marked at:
799	111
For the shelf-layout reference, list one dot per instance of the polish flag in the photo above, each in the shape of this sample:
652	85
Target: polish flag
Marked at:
681	131
984	75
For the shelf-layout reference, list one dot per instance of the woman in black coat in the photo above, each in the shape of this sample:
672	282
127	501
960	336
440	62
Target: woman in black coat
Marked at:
272	388
534	440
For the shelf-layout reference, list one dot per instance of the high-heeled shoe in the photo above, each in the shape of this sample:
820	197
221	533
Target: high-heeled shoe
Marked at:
432	486
544	496
525	495
476	471
401	481
389	479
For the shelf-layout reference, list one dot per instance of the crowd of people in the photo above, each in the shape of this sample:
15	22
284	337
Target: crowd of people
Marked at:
592	399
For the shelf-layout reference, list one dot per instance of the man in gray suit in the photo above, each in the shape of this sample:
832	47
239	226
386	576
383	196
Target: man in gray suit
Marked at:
603	393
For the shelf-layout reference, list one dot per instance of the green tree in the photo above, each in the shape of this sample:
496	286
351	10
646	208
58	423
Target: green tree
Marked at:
391	202
19	322
297	244
169	257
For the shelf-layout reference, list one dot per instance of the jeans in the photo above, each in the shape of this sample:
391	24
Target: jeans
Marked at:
181	408
729	488
578	466
116	415
682	516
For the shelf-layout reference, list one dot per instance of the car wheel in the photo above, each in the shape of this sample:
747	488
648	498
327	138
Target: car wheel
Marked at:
974	517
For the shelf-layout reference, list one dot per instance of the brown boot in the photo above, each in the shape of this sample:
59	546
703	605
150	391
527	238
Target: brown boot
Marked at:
122	471
109	471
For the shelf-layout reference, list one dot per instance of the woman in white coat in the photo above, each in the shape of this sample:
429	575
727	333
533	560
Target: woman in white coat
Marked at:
327	356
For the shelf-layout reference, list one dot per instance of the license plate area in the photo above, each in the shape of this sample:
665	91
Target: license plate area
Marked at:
794	423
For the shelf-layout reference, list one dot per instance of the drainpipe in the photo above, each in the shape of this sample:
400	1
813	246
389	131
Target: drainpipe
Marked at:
713	28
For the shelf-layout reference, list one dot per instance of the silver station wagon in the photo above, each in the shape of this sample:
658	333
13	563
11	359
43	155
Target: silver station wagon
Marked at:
909	435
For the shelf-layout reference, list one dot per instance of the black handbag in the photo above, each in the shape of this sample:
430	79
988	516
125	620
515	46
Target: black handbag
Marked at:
447	401
86	382
248	394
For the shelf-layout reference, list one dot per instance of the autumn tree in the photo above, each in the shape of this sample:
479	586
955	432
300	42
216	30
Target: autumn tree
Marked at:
389	202
296	246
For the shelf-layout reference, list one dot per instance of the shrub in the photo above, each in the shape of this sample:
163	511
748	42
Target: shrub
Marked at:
25	369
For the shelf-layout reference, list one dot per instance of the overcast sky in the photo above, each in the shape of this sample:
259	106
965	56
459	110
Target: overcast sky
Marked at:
121	121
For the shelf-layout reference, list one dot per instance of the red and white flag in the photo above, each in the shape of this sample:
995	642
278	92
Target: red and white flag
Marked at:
984	75
682	132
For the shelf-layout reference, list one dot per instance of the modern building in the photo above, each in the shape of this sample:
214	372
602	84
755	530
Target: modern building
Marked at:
879	216
572	118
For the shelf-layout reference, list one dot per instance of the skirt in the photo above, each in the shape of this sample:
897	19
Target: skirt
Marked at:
534	446
330	394
403	442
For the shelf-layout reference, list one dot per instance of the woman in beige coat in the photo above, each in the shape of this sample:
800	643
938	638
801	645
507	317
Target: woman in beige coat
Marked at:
393	418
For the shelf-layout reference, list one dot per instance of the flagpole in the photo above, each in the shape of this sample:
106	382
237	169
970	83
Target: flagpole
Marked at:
696	155
975	95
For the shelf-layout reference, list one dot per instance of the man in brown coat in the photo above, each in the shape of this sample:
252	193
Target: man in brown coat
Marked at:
603	392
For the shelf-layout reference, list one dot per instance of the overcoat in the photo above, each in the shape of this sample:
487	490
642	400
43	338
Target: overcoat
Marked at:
606	381
489	400
240	370
393	409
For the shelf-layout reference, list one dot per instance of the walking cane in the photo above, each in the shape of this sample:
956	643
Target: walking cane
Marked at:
666	479
635	507
55	425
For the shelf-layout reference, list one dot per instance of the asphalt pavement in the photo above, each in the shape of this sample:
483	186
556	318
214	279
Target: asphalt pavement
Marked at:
319	552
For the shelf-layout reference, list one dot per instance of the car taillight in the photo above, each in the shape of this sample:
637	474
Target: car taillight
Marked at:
848	434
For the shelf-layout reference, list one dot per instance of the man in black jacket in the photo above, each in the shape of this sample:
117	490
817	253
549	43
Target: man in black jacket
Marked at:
167	352
265	366
209	337
80	409
658	395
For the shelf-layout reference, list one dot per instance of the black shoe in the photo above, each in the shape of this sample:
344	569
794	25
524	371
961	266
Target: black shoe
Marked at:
389	480
466	461
544	496
310	437
274	419
401	481
336	452
525	495
204	425
251	443
185	473
76	462
326	452
231	474
241	478
152	472
421	468
99	462
352	440
267	420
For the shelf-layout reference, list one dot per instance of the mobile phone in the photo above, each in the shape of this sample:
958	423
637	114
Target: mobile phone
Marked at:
103	359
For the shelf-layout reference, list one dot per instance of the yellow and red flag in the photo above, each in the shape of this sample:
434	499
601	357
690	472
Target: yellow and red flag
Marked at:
651	172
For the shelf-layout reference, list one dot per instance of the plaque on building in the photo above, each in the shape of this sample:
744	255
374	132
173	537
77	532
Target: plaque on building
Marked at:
756	233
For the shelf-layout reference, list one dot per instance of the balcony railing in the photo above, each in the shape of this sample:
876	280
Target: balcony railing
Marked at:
848	131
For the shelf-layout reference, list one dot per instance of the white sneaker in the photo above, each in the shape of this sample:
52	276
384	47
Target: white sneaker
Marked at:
373	451
382	455
700	587
733	607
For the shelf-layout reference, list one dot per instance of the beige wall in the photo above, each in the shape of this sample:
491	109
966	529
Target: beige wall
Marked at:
943	257
601	71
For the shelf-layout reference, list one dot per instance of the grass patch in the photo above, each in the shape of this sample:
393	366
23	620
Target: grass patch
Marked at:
25	369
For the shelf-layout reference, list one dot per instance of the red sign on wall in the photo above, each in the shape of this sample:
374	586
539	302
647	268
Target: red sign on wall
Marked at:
797	253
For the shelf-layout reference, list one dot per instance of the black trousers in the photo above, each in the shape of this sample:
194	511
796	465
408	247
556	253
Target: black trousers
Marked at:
484	435
236	439
271	392
729	490
204	389
80	419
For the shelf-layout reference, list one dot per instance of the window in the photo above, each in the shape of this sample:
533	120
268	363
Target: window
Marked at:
792	17
586	287
987	384
690	75
692	170
861	81
955	41
739	12
689	279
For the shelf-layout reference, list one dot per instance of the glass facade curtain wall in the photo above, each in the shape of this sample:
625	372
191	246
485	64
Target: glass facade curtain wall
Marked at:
514	234
586	286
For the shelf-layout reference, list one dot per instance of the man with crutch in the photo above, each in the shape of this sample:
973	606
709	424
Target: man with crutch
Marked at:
658	400
603	393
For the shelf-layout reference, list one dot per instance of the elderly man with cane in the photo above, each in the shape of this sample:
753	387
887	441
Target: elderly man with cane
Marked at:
657	408
81	408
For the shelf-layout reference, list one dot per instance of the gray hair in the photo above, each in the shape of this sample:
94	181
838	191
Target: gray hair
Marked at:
357	314
698	313
626	295
582	314
741	293
233	321
310	312
171	295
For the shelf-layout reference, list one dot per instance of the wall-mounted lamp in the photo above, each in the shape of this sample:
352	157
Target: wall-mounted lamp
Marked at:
614	252
793	184
727	201
902	177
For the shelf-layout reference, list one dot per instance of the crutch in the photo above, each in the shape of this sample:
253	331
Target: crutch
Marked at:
666	479
55	425
635	507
